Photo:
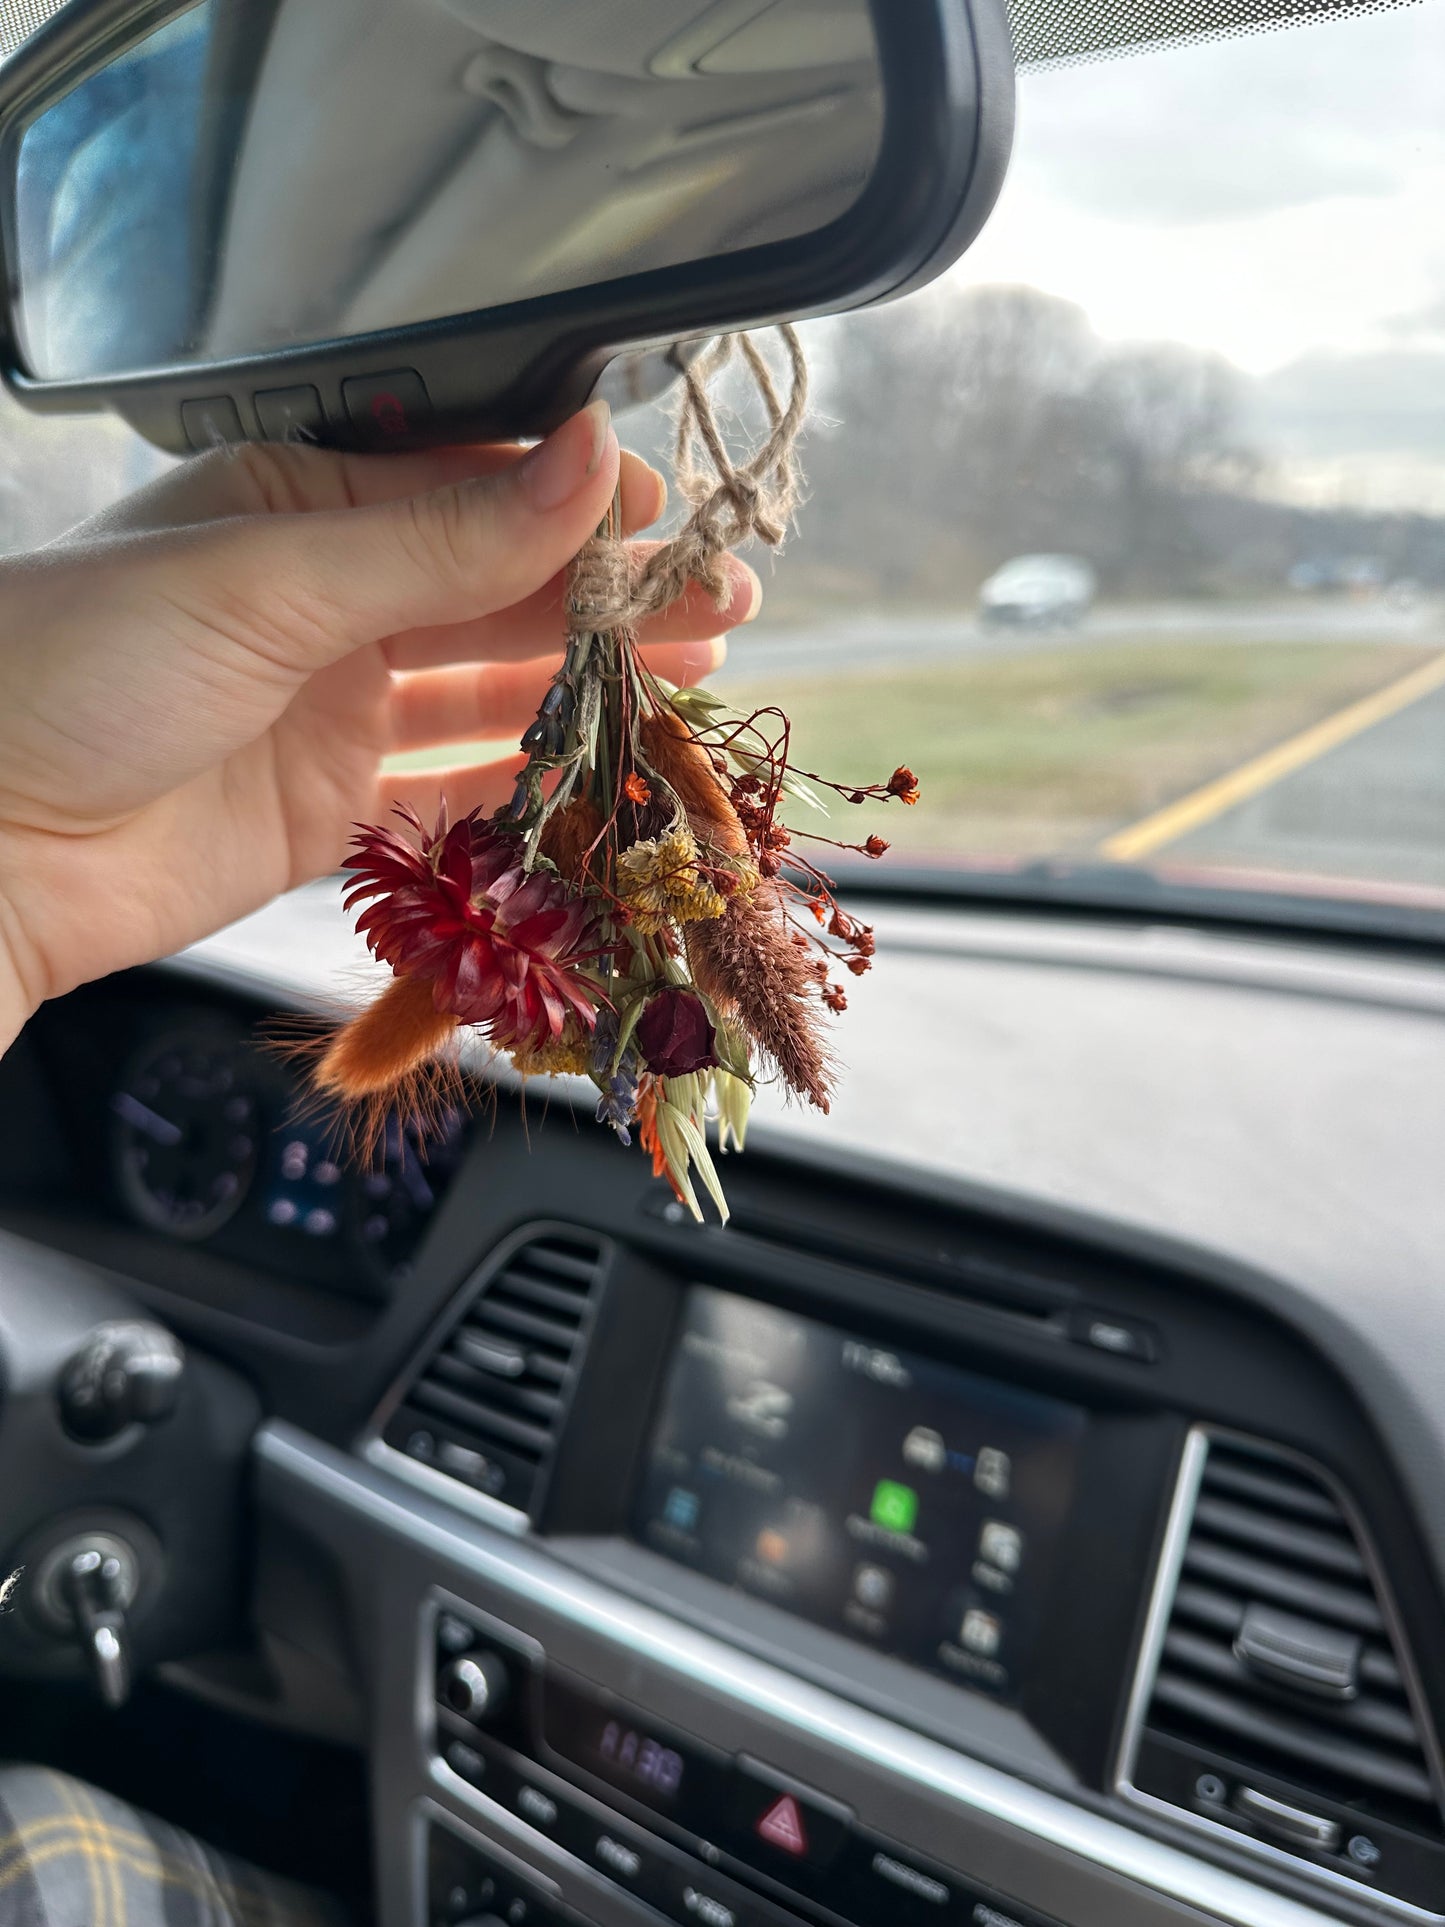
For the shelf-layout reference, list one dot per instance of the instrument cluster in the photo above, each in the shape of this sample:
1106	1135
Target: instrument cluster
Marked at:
181	1117
210	1141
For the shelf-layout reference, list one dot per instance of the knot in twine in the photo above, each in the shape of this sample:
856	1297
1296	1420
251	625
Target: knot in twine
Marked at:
730	502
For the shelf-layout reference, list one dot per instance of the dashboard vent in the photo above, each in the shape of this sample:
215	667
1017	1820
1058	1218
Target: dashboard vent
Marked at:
1280	1704
488	1403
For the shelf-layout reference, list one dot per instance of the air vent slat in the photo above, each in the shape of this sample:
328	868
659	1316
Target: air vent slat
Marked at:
482	1419
1303	1545
486	1404
1271	1488
1367	1718
566	1299
1262	1579
1279	1734
505	1394
1278	1676
576	1260
495	1315
1204	1606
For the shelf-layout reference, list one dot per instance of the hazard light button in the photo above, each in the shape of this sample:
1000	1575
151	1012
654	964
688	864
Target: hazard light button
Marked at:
777	1823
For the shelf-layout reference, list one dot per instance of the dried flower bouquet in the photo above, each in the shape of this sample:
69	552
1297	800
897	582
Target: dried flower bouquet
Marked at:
639	914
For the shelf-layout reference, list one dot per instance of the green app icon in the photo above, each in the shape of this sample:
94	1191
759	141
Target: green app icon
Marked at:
895	1507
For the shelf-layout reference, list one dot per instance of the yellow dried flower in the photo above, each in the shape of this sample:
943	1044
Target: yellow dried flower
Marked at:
564	1056
661	883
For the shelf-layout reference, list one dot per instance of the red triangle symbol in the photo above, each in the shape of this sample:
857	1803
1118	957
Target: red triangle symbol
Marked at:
782	1826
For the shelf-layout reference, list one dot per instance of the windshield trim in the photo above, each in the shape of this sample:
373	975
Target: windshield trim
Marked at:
1114	893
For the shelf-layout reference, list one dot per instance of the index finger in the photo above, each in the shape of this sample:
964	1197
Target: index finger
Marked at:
266	478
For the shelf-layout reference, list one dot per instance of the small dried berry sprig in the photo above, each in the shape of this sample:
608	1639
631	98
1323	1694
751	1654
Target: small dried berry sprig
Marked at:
639	914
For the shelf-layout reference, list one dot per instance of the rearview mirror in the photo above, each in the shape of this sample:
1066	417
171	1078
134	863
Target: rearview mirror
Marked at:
386	222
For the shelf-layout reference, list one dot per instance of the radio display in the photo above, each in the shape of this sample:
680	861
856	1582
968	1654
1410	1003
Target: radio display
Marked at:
903	1501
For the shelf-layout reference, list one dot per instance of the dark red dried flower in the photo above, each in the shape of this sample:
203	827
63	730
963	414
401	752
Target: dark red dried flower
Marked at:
835	999
876	846
675	1035
499	948
903	784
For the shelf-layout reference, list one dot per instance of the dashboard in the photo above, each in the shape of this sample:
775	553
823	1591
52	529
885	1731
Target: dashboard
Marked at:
910	1550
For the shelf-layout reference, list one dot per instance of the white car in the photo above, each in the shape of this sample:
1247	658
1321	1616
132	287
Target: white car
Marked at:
1038	591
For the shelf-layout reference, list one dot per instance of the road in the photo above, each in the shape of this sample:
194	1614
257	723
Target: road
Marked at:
878	637
1371	807
1360	795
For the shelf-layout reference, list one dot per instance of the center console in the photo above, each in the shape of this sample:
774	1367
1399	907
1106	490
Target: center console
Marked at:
698	1834
704	1580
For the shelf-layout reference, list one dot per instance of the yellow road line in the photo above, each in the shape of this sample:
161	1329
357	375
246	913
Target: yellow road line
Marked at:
1213	799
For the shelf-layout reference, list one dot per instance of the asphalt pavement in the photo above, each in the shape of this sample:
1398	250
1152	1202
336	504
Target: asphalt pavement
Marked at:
885	639
1372	808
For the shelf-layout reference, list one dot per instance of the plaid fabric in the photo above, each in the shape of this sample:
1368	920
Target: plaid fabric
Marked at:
72	1856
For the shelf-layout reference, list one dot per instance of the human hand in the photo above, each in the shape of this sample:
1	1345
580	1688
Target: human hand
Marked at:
198	688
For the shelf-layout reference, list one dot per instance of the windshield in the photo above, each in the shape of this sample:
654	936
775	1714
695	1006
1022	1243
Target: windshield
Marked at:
1128	536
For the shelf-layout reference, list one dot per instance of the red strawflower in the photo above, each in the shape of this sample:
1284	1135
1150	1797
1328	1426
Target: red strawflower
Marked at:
903	784
636	789
875	846
500	948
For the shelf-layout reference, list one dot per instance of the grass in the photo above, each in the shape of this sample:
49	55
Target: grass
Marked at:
1050	751
1045	752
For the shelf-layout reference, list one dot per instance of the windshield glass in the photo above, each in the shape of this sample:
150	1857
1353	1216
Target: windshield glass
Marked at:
1129	535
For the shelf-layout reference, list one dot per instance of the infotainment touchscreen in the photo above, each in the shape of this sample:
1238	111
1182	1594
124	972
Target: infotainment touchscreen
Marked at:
884	1494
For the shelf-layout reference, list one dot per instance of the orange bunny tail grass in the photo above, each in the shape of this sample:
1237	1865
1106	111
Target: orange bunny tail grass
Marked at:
747	963
571	836
686	767
393	1060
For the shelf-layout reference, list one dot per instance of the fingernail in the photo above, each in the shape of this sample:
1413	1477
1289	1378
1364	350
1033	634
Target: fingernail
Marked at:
660	498
700	659
554	470
747	596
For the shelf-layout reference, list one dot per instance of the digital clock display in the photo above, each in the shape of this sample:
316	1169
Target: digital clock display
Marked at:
639	1756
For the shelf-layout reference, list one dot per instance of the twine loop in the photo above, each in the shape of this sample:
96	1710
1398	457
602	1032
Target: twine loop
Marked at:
730	501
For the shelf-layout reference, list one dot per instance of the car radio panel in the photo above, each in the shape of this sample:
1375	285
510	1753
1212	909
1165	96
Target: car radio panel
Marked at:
699	1836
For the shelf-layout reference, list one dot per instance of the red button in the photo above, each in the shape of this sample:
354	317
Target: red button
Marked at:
782	1826
388	407
773	1818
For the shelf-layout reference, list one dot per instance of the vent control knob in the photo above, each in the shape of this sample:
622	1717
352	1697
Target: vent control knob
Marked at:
475	1686
1284	1822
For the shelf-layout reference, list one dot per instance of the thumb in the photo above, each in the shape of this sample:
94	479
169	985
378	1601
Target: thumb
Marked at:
315	586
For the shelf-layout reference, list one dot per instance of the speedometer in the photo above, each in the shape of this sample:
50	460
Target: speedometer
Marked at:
185	1133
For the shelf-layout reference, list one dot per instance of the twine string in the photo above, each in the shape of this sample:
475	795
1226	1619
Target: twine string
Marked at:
730	501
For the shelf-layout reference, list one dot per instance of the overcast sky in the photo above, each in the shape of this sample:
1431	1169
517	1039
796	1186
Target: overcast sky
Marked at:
1278	197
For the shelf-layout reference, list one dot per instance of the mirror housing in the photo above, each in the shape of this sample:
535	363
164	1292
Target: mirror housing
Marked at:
946	78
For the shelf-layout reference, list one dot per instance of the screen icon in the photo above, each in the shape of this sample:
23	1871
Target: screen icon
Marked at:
1001	1545
763	1408
782	1827
925	1448
980	1633
894	1507
682	1508
873	1588
993	1473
